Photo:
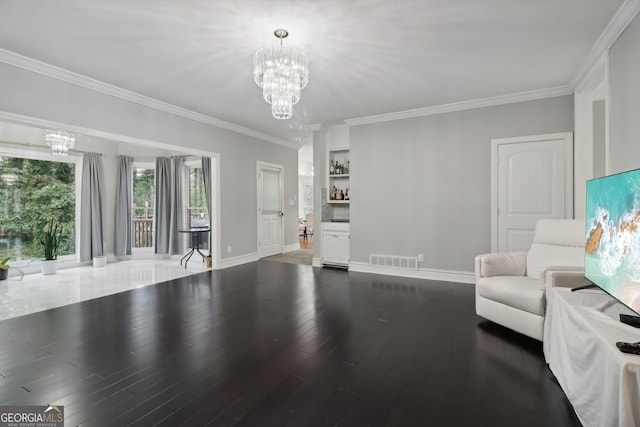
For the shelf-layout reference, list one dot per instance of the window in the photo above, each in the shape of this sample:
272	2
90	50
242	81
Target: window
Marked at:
33	192
307	198
197	213
143	205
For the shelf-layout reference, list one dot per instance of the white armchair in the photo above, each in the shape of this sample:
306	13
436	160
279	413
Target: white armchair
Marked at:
511	287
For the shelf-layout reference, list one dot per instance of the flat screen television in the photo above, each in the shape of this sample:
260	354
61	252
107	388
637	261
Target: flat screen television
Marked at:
612	249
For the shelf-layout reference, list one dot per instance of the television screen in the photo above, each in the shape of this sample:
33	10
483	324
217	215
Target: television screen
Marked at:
612	249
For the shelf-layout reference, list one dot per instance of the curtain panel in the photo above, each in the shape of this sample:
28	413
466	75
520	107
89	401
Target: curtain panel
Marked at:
176	218
206	175
91	226
163	205
124	205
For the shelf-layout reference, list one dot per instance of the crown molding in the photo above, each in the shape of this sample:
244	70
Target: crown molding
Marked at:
35	66
461	106
616	26
44	124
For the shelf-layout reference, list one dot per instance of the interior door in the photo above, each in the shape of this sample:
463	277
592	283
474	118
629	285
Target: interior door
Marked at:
270	215
533	179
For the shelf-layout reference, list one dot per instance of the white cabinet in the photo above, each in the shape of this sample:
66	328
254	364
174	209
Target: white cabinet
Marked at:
335	244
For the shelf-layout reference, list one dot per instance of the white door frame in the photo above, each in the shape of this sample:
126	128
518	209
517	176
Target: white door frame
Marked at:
260	165
568	174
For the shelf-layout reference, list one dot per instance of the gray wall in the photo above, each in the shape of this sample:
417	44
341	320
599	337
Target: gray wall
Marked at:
39	97
624	92
422	185
599	139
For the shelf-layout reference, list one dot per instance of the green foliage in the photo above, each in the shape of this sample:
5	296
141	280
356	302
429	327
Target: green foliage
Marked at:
51	240
143	192
3	263
32	194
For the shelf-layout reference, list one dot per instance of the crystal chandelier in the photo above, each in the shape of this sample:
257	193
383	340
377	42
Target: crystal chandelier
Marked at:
59	141
281	71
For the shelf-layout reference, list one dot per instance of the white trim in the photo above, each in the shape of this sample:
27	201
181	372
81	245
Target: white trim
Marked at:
291	248
568	175
216	231
35	122
316	262
422	273
260	167
238	260
616	26
61	74
461	106
594	76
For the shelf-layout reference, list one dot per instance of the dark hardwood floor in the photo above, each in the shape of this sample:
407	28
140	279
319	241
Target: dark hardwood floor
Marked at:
274	344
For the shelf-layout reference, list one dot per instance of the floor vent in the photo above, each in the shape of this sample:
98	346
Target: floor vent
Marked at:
393	261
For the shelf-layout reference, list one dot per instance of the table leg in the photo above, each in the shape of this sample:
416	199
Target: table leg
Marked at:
188	256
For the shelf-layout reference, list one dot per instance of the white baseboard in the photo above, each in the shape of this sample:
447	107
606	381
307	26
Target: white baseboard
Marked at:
291	248
316	262
238	260
422	273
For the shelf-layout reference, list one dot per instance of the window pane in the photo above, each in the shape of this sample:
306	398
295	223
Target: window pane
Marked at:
32	193
143	206
307	203
197	210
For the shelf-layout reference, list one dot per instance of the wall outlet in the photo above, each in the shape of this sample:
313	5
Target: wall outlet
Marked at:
228	249
420	257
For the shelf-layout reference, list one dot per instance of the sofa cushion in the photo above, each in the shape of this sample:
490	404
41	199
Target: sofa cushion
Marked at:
524	293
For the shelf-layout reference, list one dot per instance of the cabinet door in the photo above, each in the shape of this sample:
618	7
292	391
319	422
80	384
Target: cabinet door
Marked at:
335	247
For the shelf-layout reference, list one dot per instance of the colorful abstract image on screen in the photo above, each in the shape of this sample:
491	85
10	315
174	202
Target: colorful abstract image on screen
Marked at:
612	249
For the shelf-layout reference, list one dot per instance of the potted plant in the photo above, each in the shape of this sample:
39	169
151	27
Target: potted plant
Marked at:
50	241
4	268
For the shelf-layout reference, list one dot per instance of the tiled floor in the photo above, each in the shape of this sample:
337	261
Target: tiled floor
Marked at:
36	292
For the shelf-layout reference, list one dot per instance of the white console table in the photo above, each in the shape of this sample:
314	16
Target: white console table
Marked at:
580	334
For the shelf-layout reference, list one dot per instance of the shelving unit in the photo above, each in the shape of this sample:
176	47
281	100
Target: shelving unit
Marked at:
339	165
335	233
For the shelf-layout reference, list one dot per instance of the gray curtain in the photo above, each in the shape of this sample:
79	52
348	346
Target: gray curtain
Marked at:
206	175
177	220
163	205
91	228
124	205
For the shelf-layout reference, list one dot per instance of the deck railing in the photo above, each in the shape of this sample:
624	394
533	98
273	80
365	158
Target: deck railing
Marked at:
142	232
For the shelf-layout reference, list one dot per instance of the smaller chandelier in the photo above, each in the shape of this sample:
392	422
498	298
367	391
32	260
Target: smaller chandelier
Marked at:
281	71
59	141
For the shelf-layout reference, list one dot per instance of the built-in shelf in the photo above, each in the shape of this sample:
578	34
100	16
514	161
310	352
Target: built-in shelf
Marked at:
338	183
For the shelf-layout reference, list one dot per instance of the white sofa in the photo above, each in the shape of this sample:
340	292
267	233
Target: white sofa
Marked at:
511	287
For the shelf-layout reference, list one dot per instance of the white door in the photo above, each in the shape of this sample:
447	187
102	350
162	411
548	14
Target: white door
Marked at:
270	230
532	178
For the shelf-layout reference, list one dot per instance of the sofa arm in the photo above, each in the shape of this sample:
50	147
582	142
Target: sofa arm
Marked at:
501	264
566	277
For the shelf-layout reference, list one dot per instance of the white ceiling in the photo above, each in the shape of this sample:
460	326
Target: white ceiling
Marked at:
367	57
